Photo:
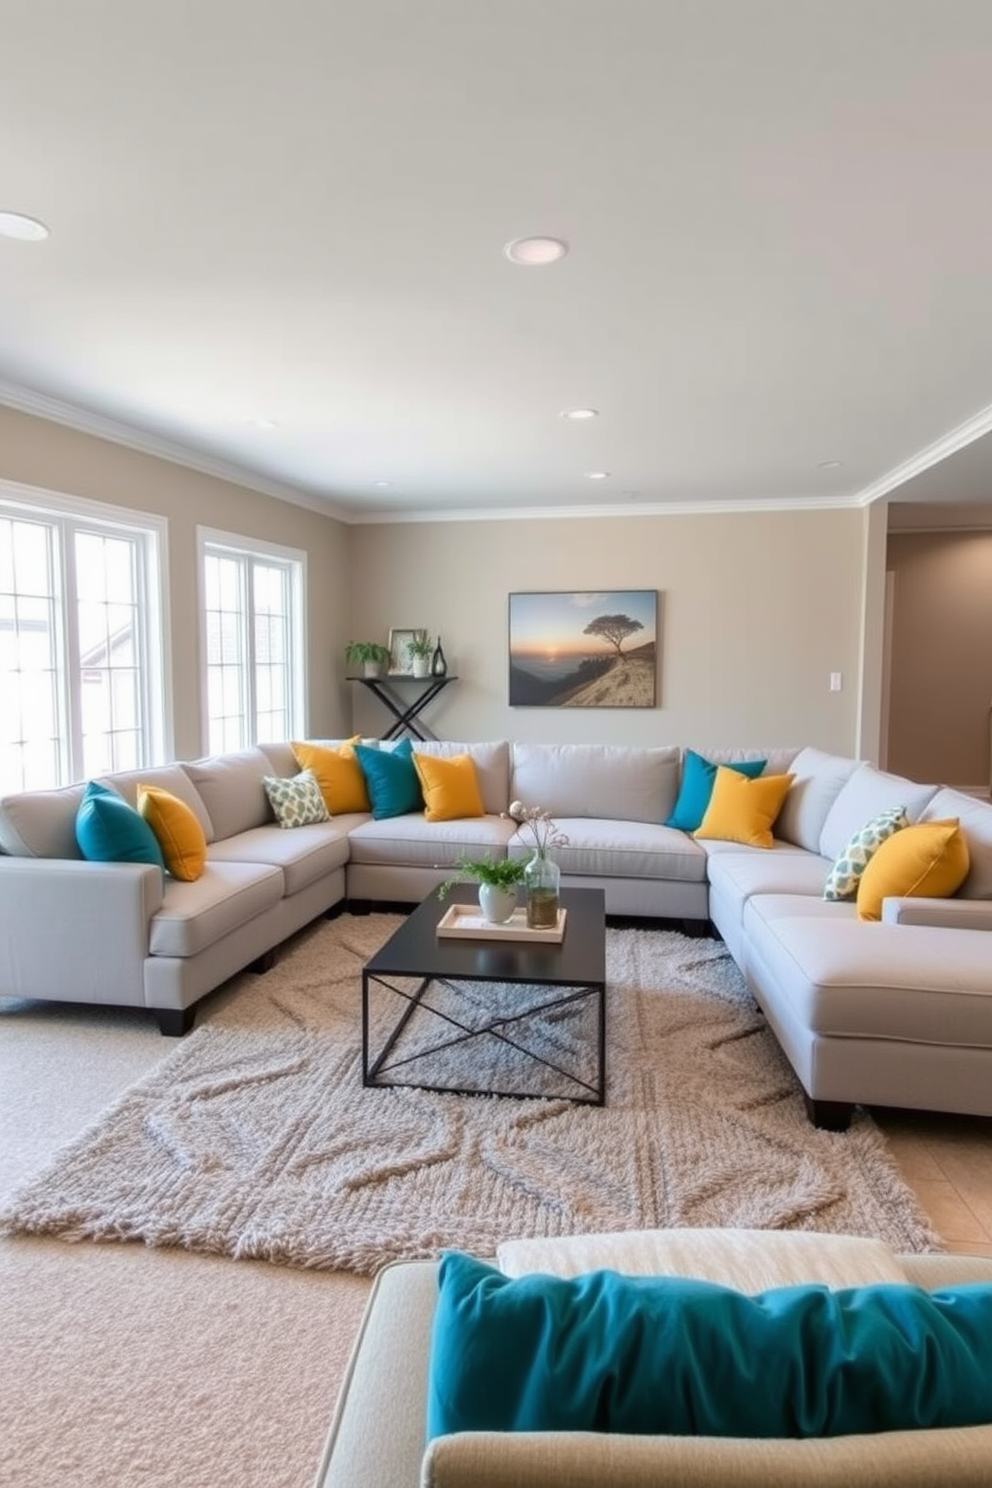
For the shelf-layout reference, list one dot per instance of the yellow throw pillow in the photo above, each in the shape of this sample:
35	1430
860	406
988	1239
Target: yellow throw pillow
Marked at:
927	861
180	836
338	774
743	810
450	786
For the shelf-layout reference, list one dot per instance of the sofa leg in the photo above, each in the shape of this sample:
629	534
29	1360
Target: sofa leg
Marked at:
174	1022
829	1115
265	962
335	910
359	906
696	929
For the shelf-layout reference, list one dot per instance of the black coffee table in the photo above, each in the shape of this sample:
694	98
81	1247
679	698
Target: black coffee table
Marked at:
471	1016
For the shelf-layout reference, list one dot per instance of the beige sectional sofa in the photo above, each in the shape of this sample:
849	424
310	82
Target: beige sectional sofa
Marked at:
892	1013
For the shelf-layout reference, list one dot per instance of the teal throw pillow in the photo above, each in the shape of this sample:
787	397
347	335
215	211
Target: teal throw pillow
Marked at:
698	778
391	779
667	1355
845	876
108	830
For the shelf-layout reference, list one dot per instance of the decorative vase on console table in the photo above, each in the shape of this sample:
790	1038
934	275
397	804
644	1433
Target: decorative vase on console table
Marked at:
542	887
439	667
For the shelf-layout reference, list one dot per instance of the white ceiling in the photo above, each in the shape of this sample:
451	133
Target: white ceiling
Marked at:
778	210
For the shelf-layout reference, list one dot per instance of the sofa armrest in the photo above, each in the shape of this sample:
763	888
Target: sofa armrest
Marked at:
946	914
76	931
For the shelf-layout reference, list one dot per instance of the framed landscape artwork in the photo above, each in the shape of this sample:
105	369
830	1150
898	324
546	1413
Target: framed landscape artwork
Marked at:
584	648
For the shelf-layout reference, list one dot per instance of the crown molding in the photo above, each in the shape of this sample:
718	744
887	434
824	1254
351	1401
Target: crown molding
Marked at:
26	400
618	509
941	449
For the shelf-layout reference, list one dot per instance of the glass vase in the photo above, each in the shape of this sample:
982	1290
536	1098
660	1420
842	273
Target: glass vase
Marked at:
542	889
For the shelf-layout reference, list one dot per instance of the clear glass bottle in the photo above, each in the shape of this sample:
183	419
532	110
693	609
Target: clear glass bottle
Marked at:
439	667
542	890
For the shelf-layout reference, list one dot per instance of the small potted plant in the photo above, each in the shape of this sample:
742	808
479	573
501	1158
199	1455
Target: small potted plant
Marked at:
420	649
497	879
371	656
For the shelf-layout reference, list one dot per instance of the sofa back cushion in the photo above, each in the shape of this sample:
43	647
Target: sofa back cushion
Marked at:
171	778
975	817
492	767
600	780
865	794
230	786
819	779
41	823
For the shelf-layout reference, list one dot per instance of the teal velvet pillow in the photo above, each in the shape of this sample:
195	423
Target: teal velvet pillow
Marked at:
672	1356
108	830
698	777
391	779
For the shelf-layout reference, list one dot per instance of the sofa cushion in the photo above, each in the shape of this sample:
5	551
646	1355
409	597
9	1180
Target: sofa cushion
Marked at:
845	876
839	977
413	842
450	787
669	1355
171	778
232	791
226	896
743	810
863	795
304	855
620	849
750	1260
926	861
41	823
491	760
339	775
391	779
696	788
296	800
818	780
596	780
108	830
975	817
179	833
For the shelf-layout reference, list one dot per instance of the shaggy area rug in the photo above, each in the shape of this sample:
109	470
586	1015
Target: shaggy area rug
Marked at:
255	1137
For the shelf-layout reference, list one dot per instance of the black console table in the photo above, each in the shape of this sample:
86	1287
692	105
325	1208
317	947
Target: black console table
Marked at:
405	711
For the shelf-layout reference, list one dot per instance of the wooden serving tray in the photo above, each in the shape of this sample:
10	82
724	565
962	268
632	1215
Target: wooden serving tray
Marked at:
467	922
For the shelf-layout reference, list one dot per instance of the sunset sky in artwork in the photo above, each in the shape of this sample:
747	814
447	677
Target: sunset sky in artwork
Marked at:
551	625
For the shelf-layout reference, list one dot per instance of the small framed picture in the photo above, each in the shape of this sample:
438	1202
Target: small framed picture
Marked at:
400	658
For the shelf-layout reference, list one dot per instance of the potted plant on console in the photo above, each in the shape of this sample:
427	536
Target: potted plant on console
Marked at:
371	656
497	879
420	649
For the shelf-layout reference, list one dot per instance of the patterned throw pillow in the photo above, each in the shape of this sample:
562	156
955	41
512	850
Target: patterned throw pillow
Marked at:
845	875
296	801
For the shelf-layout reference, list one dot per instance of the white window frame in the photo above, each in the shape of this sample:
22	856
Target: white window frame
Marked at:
212	540
150	531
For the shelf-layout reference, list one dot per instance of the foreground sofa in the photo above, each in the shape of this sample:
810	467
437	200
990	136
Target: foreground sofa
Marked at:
894	1013
391	1357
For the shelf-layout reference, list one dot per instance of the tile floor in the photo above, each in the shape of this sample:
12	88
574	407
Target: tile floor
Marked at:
947	1161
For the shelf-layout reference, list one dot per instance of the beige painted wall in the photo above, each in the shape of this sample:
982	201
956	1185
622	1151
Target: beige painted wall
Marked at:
38	453
756	610
940	674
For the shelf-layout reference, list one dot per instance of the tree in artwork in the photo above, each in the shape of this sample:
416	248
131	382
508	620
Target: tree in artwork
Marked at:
614	628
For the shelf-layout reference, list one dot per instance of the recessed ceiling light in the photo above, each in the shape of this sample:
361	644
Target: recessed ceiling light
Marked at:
829	464
28	229
383	484
578	414
264	423
535	253
597	474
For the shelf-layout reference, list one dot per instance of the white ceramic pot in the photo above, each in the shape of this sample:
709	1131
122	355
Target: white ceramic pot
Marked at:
497	904
421	666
